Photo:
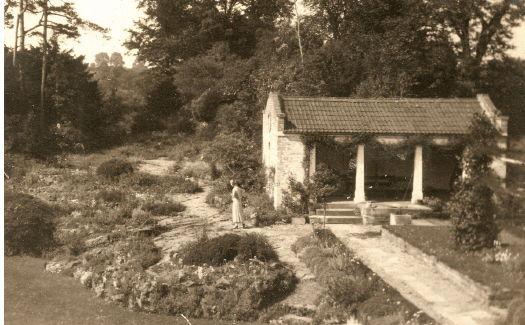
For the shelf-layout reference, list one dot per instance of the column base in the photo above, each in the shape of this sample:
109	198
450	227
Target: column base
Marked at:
416	197
359	198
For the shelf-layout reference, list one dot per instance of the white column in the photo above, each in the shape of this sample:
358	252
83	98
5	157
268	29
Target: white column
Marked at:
417	192
312	161
360	175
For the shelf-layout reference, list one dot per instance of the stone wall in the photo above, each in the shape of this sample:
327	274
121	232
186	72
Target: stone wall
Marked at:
290	163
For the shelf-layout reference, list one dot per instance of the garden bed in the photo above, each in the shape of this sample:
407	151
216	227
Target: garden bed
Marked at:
351	289
501	273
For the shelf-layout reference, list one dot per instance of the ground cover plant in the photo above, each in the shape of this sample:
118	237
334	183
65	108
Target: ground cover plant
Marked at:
501	268
352	290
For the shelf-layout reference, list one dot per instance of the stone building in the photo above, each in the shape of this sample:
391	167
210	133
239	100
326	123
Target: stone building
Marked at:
287	120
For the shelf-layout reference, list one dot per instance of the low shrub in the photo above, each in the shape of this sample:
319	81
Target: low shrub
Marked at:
224	248
215	251
28	225
147	180
436	204
254	245
113	168
262	207
163	208
111	196
302	243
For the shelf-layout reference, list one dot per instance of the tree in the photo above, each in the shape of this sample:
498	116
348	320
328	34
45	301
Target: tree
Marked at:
72	99
116	60
477	29
177	30
504	81
101	59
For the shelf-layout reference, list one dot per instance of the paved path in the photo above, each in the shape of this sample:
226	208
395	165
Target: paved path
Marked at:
415	280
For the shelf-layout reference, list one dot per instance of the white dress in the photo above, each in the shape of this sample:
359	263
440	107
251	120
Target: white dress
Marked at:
238	216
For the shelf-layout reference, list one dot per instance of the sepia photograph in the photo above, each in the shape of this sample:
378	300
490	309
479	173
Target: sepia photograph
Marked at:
297	162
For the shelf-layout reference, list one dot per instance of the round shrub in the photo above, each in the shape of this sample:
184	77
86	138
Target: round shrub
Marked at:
472	212
113	168
225	248
256	246
28	225
214	251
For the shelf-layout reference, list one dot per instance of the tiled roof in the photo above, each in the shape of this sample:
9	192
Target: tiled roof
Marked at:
345	115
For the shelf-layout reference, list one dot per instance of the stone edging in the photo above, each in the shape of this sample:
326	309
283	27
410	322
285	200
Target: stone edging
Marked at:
476	290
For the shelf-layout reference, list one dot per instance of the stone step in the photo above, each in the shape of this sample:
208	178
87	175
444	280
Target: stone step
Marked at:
336	220
336	212
341	205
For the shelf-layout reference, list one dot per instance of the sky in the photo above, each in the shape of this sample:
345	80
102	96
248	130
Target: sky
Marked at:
118	15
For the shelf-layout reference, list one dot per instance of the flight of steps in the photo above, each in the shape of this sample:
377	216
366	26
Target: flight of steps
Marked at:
338	212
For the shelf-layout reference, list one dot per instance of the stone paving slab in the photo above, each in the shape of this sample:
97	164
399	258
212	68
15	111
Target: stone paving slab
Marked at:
417	281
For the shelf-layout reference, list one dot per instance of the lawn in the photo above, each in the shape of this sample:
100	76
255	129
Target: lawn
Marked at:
32	296
437	241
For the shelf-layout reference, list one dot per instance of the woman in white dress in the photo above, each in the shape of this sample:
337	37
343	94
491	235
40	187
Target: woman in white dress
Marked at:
237	213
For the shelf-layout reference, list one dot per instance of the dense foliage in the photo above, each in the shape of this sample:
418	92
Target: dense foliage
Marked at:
28	225
222	249
472	213
472	207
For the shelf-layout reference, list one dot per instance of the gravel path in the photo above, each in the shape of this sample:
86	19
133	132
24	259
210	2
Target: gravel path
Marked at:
415	280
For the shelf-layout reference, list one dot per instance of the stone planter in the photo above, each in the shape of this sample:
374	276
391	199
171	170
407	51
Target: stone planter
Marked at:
400	219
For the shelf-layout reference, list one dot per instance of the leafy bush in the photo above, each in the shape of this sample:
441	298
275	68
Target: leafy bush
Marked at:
254	245
296	198
262	206
224	248
28	225
113	168
436	204
325	182
163	208
472	212
215	251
